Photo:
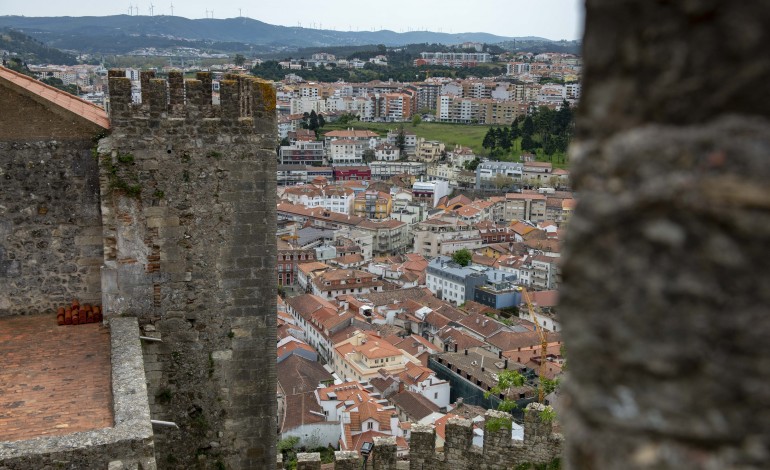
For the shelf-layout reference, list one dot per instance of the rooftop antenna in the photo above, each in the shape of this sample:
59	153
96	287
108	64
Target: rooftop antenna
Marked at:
172	8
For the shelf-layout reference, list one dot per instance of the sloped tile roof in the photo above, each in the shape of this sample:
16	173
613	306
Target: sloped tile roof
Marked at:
54	96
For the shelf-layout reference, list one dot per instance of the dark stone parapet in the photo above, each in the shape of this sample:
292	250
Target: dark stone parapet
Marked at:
240	96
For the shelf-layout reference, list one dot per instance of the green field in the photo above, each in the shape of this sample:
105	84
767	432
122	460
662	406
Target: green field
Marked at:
450	134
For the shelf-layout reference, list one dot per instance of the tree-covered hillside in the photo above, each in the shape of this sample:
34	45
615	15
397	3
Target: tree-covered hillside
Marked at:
33	51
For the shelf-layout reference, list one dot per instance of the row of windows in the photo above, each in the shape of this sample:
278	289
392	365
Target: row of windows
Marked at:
295	256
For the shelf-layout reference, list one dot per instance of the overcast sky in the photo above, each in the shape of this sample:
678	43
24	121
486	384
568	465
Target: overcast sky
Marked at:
553	19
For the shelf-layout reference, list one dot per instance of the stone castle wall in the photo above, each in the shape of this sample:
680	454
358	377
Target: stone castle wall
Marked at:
540	446
50	225
670	238
188	206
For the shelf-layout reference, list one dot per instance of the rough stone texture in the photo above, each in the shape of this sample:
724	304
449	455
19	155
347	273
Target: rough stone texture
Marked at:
309	461
667	62
384	453
188	204
128	443
669	352
540	445
50	235
345	460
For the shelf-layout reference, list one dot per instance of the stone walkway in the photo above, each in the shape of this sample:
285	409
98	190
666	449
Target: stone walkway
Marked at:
54	380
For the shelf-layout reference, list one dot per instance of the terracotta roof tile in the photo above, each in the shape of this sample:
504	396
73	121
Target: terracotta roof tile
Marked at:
64	100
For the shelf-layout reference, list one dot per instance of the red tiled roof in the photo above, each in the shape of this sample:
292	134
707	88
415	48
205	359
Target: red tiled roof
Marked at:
59	98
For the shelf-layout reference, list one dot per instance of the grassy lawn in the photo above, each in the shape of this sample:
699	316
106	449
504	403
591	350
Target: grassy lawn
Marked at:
450	134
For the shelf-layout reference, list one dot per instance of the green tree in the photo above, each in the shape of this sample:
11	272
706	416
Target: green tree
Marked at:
527	144
549	385
416	120
502	181
505	139
321	120
313	121
506	380
239	60
401	139
473	164
462	257
489	140
528	127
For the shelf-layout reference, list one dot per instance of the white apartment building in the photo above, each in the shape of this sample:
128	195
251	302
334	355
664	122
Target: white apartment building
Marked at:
344	152
387	153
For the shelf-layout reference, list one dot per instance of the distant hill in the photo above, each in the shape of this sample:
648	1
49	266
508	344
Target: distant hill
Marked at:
98	34
31	50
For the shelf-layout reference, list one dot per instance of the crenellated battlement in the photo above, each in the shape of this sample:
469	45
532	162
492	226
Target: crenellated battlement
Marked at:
540	445
240	96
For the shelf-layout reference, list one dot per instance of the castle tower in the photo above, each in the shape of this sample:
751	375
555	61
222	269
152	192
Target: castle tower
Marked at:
188	212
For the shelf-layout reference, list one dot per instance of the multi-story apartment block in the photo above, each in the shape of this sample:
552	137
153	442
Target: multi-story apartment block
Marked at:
330	283
525	93
398	107
306	104
527	205
573	91
444	172
289	256
373	205
434	237
453	59
386	170
459	110
488	171
449	281
427	95
361	357
344	152
517	68
461	155
537	172
410	140
429	150
332	198
429	192
367	138
389	236
387	153
478	89
302	153
502	112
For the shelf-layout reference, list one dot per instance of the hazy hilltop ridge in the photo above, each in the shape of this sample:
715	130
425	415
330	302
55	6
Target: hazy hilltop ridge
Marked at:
31	50
75	32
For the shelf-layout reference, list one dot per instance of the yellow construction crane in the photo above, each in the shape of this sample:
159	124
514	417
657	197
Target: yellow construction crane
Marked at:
543	346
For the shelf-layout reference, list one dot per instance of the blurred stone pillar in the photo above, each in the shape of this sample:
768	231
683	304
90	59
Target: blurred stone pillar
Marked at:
666	273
